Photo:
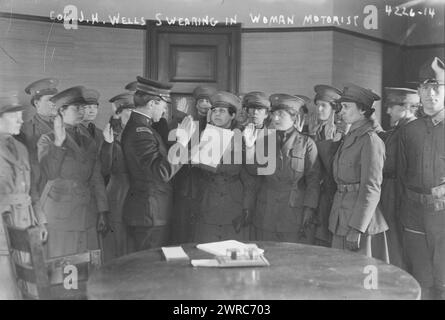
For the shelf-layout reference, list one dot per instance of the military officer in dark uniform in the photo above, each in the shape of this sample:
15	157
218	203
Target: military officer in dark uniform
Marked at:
402	105
421	171
148	206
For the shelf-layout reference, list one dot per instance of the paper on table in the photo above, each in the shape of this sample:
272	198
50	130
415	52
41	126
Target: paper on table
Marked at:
174	253
219	248
205	263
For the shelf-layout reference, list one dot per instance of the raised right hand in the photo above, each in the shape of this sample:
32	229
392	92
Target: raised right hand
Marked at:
59	131
250	135
185	130
108	133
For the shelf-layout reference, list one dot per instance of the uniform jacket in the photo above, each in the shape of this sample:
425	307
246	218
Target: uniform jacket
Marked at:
75	191
149	199
294	184
15	187
226	192
421	164
358	161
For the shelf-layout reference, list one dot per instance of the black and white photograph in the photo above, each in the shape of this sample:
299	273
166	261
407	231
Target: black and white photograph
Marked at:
222	154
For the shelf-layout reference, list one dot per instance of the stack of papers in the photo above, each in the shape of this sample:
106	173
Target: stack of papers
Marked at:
220	248
174	253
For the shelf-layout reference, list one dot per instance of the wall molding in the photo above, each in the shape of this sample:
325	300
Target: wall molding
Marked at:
356	34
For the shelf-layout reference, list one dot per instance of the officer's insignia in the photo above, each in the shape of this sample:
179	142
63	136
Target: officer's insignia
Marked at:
143	129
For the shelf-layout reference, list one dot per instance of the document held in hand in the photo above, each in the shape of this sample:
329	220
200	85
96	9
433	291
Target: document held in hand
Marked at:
214	143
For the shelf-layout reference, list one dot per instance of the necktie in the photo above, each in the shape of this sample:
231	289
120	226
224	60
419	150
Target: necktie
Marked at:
77	135
91	129
281	138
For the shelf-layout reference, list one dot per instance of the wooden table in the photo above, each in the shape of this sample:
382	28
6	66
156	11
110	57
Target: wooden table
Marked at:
296	272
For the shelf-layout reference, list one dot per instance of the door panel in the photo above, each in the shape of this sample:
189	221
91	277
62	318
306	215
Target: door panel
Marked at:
189	57
190	60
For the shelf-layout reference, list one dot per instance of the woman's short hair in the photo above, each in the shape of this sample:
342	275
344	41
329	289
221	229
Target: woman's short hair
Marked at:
368	110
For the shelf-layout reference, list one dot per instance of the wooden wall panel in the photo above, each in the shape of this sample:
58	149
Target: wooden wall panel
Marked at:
101	58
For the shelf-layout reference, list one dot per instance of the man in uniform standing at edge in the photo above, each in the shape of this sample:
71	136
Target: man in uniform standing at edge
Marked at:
421	171
148	206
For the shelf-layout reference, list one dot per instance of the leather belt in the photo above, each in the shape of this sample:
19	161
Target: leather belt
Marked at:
348	187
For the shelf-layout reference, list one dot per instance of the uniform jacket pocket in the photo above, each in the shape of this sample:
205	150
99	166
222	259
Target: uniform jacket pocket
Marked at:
297	160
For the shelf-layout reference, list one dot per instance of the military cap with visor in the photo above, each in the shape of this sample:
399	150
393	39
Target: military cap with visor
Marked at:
401	96
132	86
283	101
354	93
224	99
256	100
70	96
154	88
43	87
9	102
204	92
91	96
123	101
432	71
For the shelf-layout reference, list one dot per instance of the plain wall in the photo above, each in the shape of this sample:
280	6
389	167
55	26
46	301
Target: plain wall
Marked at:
358	61
105	59
288	62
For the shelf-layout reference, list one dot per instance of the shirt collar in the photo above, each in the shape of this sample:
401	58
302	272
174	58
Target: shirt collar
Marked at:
357	125
142	118
47	119
142	114
438	118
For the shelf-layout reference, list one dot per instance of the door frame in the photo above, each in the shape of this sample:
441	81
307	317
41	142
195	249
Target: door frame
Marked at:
233	32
